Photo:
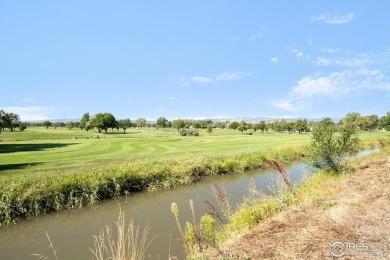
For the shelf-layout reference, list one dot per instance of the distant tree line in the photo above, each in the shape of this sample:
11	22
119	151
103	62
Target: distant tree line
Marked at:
105	121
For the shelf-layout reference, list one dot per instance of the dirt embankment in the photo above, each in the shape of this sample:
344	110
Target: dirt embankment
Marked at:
358	218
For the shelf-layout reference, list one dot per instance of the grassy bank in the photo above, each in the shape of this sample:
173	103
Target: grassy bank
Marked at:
37	194
315	191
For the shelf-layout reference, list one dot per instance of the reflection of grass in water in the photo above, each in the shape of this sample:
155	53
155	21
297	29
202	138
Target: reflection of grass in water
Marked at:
51	246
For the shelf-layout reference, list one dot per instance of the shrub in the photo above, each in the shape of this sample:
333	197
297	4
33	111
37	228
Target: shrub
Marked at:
332	144
188	132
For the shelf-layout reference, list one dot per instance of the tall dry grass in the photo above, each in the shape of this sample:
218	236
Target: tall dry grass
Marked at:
122	242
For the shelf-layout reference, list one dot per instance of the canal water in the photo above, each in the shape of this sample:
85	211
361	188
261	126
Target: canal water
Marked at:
72	231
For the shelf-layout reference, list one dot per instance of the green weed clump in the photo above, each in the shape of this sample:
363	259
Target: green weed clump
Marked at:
197	237
38	194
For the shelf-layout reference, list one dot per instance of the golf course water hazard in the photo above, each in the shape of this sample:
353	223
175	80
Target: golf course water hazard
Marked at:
71	232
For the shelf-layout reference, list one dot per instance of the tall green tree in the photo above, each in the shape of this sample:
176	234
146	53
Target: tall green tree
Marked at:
262	126
352	119
84	121
233	125
301	125
103	121
178	124
384	122
2	122
47	124
242	126
59	124
124	124
374	120
70	125
161	122
141	122
209	128
11	121
23	126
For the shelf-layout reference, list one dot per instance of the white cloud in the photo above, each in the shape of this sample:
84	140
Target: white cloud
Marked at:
28	100
309	86
201	79
183	81
340	83
310	41
235	39
35	113
231	75
334	85
334	19
224	76
285	105
255	37
274	60
322	61
297	53
329	50
340	58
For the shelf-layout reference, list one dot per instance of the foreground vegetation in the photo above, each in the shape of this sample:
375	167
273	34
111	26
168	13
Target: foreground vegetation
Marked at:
306	220
207	239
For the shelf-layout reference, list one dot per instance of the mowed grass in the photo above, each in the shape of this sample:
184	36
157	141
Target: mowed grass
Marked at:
51	151
57	169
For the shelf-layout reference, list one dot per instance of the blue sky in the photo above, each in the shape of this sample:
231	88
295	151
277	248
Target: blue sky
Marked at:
194	59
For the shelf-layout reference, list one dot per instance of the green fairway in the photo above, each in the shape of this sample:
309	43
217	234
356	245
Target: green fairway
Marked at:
44	170
43	151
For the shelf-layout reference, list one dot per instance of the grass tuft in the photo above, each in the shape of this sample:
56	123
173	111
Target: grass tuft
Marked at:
130	242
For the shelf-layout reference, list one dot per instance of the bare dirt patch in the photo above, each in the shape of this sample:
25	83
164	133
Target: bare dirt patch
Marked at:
359	216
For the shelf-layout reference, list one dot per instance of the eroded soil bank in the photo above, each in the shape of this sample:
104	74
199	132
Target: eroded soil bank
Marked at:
358	216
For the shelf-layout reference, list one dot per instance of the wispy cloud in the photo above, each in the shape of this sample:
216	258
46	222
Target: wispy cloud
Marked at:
334	18
201	79
34	113
274	60
166	98
255	37
334	85
330	50
224	76
322	61
285	105
231	75
28	100
297	53
340	58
